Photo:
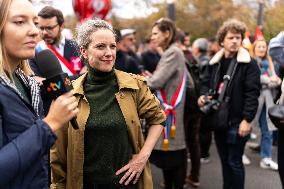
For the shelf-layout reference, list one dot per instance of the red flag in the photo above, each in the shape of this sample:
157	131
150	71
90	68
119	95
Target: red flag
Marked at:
246	42
258	34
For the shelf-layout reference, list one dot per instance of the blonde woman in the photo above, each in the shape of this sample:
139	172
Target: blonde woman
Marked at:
25	138
269	80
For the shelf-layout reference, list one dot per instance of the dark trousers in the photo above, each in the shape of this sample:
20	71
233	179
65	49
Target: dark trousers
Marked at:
175	177
192	125
173	165
281	155
231	148
205	139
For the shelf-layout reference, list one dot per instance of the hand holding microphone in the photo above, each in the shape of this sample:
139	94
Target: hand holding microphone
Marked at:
62	109
57	87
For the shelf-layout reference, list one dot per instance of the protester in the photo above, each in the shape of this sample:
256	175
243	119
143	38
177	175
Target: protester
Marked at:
242	98
25	138
128	41
151	56
213	47
277	53
183	42
269	81
186	40
51	24
126	61
191	113
108	150
167	78
200	50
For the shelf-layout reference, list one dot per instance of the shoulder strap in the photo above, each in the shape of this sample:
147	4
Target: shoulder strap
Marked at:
228	77
229	90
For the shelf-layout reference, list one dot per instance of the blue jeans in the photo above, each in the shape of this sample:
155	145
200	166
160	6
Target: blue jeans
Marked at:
230	147
266	136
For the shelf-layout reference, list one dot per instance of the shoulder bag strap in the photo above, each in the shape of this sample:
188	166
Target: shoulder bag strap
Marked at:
228	77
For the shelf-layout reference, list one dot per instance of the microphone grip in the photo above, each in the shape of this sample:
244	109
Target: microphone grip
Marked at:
74	123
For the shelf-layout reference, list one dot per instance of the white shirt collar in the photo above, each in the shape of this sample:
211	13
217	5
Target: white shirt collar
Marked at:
61	42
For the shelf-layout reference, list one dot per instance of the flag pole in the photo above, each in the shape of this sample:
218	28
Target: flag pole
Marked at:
260	14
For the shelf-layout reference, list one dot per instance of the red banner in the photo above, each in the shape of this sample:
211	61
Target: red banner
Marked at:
87	9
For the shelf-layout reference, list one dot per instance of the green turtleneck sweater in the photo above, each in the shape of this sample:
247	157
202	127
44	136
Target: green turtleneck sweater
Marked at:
107	144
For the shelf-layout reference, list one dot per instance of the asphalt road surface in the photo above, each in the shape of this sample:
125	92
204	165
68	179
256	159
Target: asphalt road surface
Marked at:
211	178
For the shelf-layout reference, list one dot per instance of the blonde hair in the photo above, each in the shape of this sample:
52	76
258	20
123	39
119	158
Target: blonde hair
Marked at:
4	62
266	56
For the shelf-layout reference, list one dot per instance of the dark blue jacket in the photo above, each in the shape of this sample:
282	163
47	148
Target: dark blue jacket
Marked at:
126	63
25	141
150	60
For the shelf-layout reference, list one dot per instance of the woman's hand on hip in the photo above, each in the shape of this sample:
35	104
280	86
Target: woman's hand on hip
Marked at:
133	169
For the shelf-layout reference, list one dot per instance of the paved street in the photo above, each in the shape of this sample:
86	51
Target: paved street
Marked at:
256	178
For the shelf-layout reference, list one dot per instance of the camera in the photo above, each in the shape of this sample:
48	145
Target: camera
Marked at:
209	106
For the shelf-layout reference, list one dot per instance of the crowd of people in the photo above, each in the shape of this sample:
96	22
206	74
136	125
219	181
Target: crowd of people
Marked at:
160	104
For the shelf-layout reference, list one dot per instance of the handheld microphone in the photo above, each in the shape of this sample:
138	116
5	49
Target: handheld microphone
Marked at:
57	82
48	63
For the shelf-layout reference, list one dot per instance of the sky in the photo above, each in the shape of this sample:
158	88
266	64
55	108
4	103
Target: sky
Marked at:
122	8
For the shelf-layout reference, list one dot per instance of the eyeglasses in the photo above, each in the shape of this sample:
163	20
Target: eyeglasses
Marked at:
47	28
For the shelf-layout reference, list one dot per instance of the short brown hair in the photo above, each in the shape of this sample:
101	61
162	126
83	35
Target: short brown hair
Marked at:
166	24
49	12
232	25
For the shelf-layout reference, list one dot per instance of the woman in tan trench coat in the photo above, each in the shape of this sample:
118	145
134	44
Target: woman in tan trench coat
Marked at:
108	150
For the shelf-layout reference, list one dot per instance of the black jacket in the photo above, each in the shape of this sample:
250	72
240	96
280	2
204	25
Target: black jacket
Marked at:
126	63
150	60
245	85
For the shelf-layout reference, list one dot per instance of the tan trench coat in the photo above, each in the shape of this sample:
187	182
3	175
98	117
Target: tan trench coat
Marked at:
135	100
